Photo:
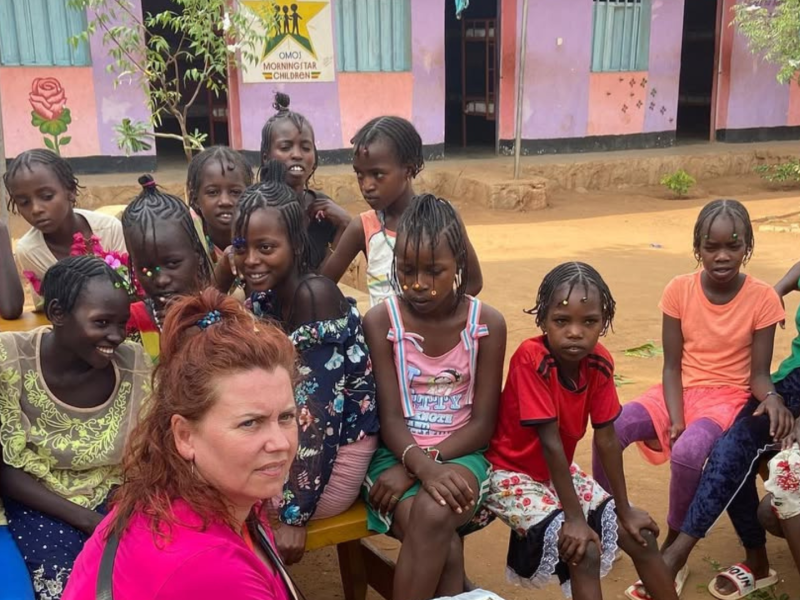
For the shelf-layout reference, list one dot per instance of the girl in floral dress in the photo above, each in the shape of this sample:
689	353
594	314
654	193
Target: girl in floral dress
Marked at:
43	189
69	395
338	418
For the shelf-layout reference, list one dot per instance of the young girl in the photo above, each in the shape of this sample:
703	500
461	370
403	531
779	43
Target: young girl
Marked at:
167	258
288	137
728	482
563	523
387	156
428	345
338	418
69	396
216	179
43	189
718	331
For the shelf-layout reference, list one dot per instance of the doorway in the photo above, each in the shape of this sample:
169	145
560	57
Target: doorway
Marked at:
208	113
471	78
698	70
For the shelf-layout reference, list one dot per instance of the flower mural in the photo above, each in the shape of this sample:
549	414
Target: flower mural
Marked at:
50	113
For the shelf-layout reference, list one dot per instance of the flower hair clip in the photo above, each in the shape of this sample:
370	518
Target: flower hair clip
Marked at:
239	242
213	317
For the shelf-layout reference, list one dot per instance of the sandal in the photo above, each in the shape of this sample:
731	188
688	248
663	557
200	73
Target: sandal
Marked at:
742	577
637	591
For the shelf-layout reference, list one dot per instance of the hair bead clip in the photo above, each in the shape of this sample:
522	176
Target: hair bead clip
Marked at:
565	301
213	317
433	292
735	235
239	242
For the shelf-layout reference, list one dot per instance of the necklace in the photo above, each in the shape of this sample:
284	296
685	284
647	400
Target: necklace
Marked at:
151	307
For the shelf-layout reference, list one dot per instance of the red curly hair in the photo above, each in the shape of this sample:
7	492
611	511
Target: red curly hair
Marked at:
190	362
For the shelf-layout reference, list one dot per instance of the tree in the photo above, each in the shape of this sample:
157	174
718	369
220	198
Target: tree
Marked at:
212	38
773	29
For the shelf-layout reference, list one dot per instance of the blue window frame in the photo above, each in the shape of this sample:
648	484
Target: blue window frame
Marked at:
373	35
37	33
621	36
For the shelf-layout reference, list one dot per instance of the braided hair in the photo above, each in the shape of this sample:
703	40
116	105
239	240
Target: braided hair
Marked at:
227	158
573	274
429	218
39	156
281	106
734	210
153	205
273	192
401	135
66	280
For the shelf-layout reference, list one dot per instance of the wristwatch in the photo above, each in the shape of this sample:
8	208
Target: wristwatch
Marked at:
433	453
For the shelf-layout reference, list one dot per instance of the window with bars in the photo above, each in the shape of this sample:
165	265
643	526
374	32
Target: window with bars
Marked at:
37	33
621	36
373	35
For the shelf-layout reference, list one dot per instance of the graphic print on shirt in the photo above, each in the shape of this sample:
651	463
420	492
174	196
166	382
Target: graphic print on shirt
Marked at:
434	409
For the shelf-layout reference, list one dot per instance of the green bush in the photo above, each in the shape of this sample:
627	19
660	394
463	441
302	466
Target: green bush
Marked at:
678	182
781	172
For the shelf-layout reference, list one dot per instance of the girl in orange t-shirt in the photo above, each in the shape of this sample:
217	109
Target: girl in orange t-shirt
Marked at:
718	331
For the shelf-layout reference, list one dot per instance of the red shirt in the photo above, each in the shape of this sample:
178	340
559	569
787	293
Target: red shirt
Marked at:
534	395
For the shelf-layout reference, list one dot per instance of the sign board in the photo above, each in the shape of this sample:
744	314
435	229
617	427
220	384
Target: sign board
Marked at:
297	44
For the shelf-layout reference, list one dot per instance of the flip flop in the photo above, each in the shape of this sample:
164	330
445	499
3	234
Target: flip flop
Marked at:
742	577
637	591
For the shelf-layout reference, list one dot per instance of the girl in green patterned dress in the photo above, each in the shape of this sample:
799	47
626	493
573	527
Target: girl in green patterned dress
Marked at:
69	395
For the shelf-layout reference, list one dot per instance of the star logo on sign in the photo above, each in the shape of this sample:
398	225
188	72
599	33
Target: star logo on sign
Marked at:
287	20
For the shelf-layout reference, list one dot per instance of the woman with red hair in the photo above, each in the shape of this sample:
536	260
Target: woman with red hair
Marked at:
219	437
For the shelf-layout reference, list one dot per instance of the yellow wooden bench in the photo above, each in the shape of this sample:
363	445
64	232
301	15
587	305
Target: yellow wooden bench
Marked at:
361	565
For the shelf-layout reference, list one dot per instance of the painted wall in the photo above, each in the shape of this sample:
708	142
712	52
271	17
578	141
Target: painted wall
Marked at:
749	94
94	106
338	109
562	97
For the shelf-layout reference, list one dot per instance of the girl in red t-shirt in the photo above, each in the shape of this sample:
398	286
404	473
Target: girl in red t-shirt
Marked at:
564	524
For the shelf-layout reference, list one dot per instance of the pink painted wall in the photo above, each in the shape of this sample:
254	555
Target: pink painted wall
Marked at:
750	95
337	109
95	105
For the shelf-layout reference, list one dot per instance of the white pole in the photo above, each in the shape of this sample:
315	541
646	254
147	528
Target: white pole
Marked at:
523	46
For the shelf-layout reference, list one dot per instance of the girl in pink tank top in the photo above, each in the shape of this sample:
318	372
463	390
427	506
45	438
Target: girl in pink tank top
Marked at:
427	481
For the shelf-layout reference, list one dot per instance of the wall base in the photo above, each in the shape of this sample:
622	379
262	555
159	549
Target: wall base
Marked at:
90	165
758	134
597	143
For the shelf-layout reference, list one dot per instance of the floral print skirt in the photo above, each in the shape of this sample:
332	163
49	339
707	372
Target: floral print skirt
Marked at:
784	483
532	509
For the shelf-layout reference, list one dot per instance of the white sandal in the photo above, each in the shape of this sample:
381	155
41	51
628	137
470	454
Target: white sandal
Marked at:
742	577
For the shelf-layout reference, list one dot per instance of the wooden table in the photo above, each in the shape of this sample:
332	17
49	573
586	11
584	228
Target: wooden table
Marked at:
28	320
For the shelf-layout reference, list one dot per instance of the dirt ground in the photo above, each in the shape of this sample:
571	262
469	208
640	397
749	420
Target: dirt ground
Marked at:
638	240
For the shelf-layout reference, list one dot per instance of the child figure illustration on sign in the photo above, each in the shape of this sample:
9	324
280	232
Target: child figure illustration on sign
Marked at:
285	19
295	20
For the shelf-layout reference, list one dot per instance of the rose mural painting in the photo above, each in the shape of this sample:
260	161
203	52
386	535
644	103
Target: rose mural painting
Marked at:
50	113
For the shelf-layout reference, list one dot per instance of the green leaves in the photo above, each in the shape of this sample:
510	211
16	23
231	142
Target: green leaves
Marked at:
49	143
209	35
772	31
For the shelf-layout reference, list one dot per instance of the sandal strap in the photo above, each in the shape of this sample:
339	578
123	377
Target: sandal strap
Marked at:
740	576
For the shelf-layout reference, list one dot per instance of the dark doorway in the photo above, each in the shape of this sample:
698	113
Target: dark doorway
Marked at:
697	70
208	114
471	59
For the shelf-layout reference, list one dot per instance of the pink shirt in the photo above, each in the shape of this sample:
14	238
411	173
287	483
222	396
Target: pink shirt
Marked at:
436	391
201	565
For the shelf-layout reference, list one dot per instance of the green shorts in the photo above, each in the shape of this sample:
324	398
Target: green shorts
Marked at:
384	459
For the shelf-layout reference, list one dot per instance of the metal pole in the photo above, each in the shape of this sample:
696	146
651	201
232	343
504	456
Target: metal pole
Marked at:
521	86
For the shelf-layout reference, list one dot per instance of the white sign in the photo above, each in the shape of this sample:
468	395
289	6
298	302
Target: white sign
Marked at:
298	44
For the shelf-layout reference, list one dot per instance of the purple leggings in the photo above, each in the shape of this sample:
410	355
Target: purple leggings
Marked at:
689	454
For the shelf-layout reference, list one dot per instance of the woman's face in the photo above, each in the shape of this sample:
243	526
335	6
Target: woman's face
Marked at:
246	442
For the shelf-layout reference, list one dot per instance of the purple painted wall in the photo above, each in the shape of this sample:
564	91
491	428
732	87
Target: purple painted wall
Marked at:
665	59
328	105
556	82
114	104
